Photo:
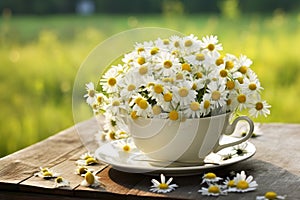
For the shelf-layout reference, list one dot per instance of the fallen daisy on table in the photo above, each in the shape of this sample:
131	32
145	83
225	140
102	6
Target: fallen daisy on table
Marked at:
229	183
90	180
270	196
163	186
210	178
213	190
46	173
242	183
61	182
87	159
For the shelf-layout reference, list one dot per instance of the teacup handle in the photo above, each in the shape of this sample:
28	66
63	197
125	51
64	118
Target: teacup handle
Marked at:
230	130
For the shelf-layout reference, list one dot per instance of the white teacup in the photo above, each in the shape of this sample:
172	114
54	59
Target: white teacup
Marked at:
188	141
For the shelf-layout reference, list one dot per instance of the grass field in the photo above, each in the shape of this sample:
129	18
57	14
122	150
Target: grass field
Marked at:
40	57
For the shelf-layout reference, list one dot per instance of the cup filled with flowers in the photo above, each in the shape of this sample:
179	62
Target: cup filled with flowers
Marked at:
176	97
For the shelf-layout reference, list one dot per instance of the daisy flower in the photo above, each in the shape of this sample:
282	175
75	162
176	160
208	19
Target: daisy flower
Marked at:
206	105
211	46
190	44
259	108
240	149
142	108
91	93
218	94
243	183
243	63
167	64
90	180
210	178
270	196
162	187
212	190
87	159
229	183
109	81
183	93
61	182
46	173
193	110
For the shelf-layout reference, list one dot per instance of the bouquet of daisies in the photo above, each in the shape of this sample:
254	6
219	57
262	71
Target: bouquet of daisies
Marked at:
175	78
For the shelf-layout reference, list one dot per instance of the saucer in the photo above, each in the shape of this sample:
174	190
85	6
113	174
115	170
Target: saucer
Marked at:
136	162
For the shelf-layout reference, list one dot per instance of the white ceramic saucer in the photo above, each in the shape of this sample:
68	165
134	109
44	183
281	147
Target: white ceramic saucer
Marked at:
136	162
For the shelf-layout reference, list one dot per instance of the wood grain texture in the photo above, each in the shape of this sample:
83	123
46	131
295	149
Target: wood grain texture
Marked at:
275	167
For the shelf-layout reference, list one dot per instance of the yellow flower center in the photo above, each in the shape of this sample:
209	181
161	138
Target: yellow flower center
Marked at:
59	179
271	195
186	66
131	87
176	44
100	99
43	170
168	64
252	86
240	80
241	98
89	178
259	106
199	75
166	42
231	183
243	69
188	43
158	88
183	92
111	81
90	161
168	80
168	97
47	173
173	115
195	106
163	186
137	100
200	57
229	65
206	104
219	61
116	103
91	93
211	47
82	170
216	95
150	84
194	87
126	148
214	189
143	104
230	85
210	175
154	51
140	49
228	102
141	60
223	73
143	70
112	135
242	185
179	76
156	110
133	115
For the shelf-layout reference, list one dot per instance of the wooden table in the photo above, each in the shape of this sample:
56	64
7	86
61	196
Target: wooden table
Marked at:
275	167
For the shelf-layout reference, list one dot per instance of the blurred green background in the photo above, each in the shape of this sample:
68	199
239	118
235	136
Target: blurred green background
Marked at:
43	43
